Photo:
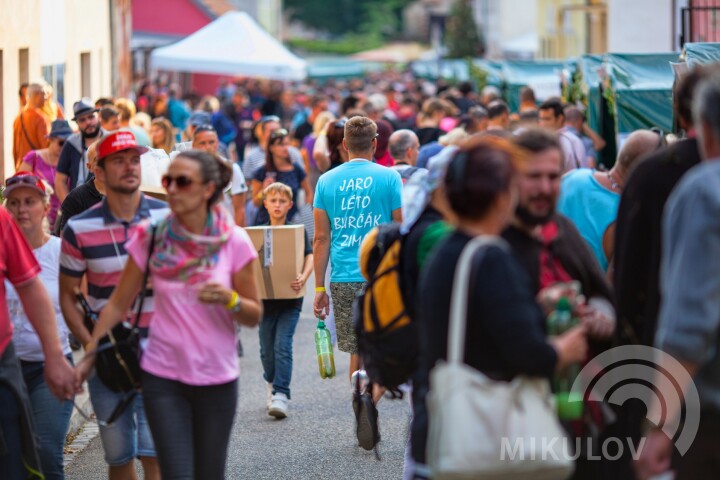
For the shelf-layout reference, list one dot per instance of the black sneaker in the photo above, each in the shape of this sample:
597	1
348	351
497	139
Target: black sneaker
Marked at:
366	417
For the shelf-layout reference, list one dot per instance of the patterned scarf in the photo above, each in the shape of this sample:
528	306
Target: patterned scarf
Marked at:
183	255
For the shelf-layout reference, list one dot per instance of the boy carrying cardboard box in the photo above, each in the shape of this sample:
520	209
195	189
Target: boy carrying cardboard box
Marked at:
281	315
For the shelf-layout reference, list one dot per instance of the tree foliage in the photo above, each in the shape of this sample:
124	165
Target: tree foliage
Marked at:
378	18
462	36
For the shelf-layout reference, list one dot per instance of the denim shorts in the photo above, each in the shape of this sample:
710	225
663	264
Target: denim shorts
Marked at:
129	437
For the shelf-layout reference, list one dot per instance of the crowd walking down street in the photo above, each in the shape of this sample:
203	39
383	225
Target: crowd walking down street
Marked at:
381	278
317	438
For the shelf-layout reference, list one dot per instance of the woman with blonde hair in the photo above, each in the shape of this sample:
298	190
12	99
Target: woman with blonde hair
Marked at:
51	108
162	135
127	110
27	198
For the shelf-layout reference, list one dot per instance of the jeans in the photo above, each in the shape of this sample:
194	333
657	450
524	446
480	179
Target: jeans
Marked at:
280	317
51	418
11	466
129	436
191	426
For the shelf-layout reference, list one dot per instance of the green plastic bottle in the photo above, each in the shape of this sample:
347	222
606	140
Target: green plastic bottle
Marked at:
569	405
323	345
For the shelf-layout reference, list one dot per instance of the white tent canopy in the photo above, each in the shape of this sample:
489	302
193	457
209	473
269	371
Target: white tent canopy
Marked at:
231	45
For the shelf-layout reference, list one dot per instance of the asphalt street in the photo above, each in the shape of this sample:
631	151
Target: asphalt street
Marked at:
316	441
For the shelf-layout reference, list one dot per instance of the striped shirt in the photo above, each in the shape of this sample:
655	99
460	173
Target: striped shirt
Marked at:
93	243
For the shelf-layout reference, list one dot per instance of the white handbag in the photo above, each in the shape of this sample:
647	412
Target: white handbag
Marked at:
480	428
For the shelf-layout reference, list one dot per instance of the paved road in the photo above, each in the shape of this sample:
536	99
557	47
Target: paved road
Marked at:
316	441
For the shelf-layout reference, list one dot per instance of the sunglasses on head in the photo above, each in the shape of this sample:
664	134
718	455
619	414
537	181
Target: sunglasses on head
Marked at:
662	142
204	128
181	181
280	133
31	180
340	123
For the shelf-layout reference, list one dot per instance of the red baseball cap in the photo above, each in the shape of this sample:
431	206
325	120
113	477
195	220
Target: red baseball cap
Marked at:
117	142
24	180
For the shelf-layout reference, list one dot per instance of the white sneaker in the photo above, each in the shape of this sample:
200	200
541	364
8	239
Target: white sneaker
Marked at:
269	395
278	406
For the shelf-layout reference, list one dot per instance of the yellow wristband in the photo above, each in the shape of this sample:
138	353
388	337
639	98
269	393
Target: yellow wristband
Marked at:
320	289
233	300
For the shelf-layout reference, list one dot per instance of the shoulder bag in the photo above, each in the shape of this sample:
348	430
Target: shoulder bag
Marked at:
117	358
486	429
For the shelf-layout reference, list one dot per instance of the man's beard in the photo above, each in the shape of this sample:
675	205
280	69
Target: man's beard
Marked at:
88	133
530	219
123	190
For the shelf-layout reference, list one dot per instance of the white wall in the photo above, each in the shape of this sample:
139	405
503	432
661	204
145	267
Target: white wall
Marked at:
640	26
77	26
20	29
503	21
88	31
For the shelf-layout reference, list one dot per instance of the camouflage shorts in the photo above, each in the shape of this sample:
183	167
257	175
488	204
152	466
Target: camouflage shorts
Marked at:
342	296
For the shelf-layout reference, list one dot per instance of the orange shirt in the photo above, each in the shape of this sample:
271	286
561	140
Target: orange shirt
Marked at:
33	136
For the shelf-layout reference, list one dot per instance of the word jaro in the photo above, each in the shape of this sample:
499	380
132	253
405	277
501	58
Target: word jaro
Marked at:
355	184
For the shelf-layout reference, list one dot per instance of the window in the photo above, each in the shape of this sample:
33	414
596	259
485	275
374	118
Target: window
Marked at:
55	76
24	65
85	85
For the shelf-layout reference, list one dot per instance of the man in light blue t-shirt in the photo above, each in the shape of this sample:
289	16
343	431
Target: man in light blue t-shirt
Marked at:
350	200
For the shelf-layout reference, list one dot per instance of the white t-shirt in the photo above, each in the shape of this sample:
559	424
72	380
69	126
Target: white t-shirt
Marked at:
236	186
27	343
154	164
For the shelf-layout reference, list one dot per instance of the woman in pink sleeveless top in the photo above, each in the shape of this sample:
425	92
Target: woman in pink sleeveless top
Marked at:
43	163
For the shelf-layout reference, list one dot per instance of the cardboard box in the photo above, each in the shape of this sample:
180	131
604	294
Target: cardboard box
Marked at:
280	259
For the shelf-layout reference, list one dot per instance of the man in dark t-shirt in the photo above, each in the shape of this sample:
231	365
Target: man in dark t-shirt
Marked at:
83	196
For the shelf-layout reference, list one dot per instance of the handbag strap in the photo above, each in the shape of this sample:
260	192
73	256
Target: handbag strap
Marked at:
143	292
461	289
27	137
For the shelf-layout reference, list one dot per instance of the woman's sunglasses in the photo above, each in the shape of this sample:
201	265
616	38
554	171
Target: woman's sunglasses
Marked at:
181	181
280	133
23	179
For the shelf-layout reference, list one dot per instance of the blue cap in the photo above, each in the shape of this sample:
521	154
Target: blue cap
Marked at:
426	152
199	117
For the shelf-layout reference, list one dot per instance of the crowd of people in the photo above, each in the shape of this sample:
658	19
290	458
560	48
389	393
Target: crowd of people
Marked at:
445	162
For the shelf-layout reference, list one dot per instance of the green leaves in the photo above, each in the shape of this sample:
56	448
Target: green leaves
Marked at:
462	36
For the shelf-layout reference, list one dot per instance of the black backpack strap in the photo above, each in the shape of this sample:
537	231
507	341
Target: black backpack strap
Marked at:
143	292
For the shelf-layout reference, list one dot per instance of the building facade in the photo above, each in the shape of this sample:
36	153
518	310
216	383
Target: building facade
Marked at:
65	42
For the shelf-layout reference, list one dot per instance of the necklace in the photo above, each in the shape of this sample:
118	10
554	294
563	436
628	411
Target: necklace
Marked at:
613	183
